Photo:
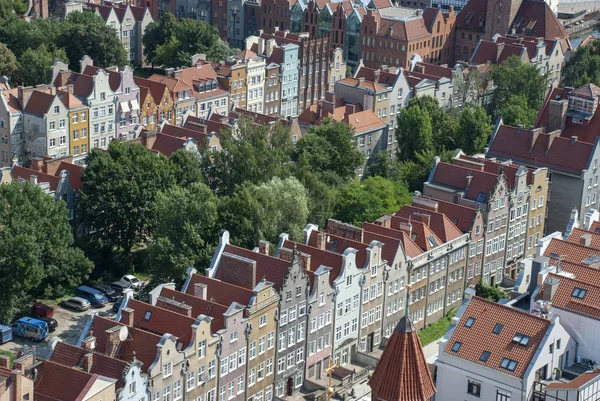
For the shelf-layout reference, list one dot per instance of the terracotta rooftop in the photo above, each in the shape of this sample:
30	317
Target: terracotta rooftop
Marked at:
174	85
19	172
220	291
556	153
75	173
59	382
70	101
441	225
199	307
475	335
411	249
72	356
535	18
472	17
402	373
12	100
364	121
569	251
455	176
408	29
586	305
576	383
337	244
362	84
157	89
462	216
39	103
577	233
320	257
166	144
183	132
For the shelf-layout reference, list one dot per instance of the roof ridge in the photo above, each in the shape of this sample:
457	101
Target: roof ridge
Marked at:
224	282
100	354
506	307
162	309
560	277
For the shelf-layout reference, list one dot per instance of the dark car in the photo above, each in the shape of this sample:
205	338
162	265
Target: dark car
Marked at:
42	310
108	291
119	287
52	323
117	305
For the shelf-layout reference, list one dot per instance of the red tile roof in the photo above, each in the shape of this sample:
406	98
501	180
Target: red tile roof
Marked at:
576	383
63	383
75	173
114	78
402	373
480	337
140	342
409	29
558	153
472	16
390	245
82	84
320	257
337	244
220	291
157	89
462	216
199	307
535	18
19	172
162	321
563	297
441	225
570	252
455	176
196	133
174	85
411	249
167	144
72	356
39	103
577	233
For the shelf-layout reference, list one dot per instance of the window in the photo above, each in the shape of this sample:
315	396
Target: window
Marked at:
261	345
579	293
202	349
167	369
242	357
485	355
167	393
224	366
502	395
177	390
508	364
521	339
131	387
283	318
262	321
252	350
474	388
271	340
498	328
56	109
212	369
240	384
470	322
456	346
233	336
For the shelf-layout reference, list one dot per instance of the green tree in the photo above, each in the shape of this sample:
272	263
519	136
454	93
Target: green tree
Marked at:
36	247
443	125
517	112
118	190
88	34
383	166
185	234
186	167
367	200
8	61
583	67
415	172
513	77
239	214
255	154
474	129
414	132
329	148
35	66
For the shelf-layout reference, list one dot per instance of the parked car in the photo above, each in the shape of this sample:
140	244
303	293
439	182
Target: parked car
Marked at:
117	305
5	334
52	323
76	303
108	292
119	287
31	328
95	297
42	310
131	281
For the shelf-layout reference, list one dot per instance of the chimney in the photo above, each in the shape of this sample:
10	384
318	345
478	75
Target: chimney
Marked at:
17	377
4	362
238	270
127	316
87	362
573	140
33	179
37	164
405	226
557	115
585	240
201	290
89	343
177	74
361	80
174	306
321	240
261	46
328	105
350	109
69	88
534	136
270	46
384	221
263	247
112	340
425	218
425	203
345	230
468	180
550	288
23	94
287	254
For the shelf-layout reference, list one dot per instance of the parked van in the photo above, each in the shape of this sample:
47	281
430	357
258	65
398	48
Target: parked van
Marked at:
96	298
33	329
5	334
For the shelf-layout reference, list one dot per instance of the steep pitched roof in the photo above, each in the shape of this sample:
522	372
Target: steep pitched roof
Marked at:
199	307
577	233
456	177
406	29
441	225
70	101
472	16
479	337
157	89
220	291
39	103
59	382
364	121
462	216
114	78
569	251
563	298
535	18
319	257
402	373
411	249
12	100
556	153
19	172
75	173
167	144
72	356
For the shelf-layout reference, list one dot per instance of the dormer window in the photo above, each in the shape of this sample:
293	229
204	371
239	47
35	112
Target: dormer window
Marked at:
470	322
456	346
579	293
521	339
508	364
485	355
498	328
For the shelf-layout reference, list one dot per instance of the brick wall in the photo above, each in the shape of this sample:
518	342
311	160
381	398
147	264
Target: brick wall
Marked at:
237	270
344	230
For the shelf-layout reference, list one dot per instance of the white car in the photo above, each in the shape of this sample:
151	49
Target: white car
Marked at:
130	281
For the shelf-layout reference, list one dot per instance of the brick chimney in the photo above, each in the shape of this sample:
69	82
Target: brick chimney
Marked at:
425	218
4	362
573	140
384	221
263	247
23	94
321	240
201	290
112	340
405	226
425	203
69	89
345	230
557	115
550	288
238	270
89	342
288	254
127	316
586	240
174	306
468	180
88	359
328	105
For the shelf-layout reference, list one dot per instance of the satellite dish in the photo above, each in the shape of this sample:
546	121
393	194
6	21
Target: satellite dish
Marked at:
123	332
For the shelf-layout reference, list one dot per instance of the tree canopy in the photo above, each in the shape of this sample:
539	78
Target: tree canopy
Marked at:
34	66
8	61
172	43
36	247
517	112
583	67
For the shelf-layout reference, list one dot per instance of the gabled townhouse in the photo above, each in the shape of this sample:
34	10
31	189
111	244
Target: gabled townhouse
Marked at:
127	116
232	75
369	94
204	137
469	220
346	24
255	80
345	277
55	381
337	67
160	108
242	267
182	97
373	270
272	89
131	382
227	324
261	325
572	164
437	87
78	120
45	125
129	22
494	351
165	144
11	124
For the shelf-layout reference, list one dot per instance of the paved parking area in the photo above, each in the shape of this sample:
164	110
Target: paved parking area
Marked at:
70	326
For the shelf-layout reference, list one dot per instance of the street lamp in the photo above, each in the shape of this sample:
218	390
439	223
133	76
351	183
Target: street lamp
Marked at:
234	11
